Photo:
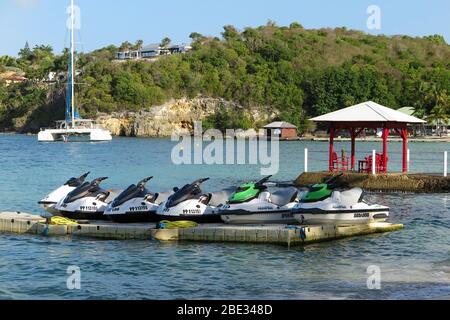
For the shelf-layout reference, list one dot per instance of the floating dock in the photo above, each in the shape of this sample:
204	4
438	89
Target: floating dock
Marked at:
23	223
271	234
390	182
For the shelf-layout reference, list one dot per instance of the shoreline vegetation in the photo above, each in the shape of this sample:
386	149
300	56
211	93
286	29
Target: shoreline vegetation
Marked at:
242	79
304	138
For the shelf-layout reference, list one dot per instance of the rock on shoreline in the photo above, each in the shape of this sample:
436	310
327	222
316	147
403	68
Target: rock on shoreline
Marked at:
176	116
391	182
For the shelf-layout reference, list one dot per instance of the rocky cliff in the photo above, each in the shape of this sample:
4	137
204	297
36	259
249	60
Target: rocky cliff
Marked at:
176	116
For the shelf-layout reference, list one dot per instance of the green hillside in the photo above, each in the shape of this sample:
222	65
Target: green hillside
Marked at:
297	72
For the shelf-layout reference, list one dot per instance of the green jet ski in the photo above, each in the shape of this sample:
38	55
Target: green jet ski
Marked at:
323	204
254	203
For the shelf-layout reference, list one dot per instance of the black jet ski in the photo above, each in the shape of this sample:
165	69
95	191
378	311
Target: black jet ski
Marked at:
191	203
86	202
136	204
49	202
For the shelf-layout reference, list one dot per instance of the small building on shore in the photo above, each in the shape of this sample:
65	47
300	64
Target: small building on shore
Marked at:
151	51
11	77
282	130
433	127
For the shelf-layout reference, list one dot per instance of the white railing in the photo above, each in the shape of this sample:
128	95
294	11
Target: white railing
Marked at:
445	163
435	162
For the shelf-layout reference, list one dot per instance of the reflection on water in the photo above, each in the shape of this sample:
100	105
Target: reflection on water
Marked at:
414	262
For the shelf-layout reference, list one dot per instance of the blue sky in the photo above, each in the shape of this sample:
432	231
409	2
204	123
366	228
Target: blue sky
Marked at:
107	22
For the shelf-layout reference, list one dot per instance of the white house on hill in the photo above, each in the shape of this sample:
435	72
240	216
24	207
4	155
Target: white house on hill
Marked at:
152	51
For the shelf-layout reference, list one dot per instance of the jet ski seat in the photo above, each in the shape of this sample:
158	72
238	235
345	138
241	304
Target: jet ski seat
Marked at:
284	196
348	198
221	197
131	192
110	195
163	196
78	193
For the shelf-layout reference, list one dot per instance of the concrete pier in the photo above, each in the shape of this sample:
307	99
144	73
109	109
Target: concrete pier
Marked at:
420	183
22	223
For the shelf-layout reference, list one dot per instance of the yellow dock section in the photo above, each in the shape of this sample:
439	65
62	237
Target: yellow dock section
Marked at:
23	223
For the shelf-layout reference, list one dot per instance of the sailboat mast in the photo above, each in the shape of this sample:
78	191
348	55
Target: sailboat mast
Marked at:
72	54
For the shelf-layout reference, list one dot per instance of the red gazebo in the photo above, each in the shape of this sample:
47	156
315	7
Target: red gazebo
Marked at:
368	115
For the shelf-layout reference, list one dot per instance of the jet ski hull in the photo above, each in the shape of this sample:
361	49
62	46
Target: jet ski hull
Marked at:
247	217
340	208
81	215
191	210
48	206
83	209
132	211
344	217
153	217
49	202
260	211
205	218
134	217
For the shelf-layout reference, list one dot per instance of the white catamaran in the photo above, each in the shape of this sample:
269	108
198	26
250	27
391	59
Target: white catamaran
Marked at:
73	128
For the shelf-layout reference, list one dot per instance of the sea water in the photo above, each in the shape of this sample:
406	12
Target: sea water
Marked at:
414	263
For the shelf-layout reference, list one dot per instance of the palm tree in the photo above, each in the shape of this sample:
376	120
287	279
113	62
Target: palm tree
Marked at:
138	45
440	114
125	46
165	42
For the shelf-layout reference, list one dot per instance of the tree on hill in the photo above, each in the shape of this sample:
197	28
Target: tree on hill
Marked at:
165	42
138	45
230	33
126	45
25	53
195	36
8	61
288	73
436	38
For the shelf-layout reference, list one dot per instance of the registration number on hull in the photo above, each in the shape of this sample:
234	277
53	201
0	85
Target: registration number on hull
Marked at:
88	208
361	215
192	211
139	208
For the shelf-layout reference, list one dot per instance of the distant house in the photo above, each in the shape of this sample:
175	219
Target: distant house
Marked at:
151	51
11	77
283	130
53	77
437	127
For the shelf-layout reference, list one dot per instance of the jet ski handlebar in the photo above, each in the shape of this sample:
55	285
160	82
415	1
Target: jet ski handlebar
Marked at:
143	182
331	182
200	181
97	181
84	176
261	182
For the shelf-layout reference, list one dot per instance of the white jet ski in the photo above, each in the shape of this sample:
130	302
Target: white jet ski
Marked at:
86	202
136	204
322	204
190	203
49	202
254	203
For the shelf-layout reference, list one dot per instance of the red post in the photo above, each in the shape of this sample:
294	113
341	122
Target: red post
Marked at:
385	150
330	164
404	134
353	135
